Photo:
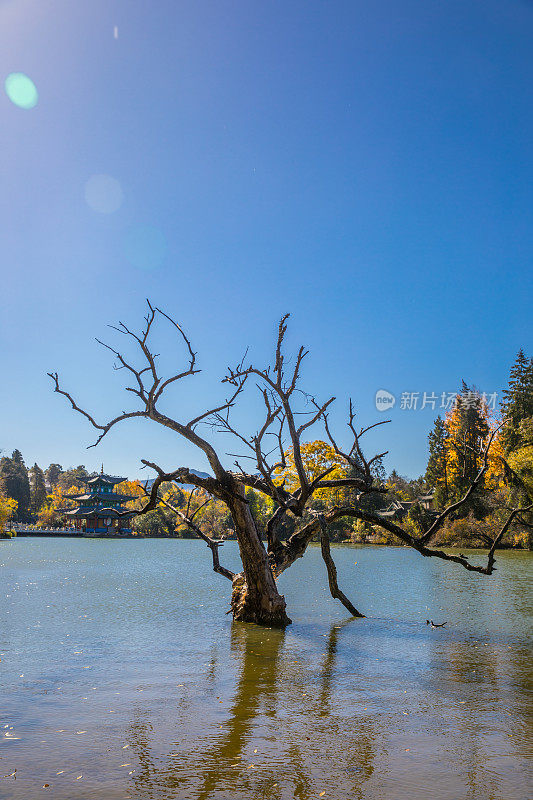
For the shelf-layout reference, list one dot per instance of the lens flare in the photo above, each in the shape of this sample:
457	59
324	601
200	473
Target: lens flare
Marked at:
145	247
21	90
103	194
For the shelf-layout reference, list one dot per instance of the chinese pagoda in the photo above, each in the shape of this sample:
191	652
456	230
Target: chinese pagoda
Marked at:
100	511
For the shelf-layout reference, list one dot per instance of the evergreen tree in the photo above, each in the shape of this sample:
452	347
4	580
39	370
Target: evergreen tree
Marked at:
517	404
436	476
75	476
14	482
52	474
38	488
399	487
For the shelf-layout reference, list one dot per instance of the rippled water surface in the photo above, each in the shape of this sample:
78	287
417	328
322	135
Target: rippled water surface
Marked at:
121	676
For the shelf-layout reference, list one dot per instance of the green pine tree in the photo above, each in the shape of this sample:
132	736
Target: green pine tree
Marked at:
52	474
517	404
75	476
436	476
37	487
14	482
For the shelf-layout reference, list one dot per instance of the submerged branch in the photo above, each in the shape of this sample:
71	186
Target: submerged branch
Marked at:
336	593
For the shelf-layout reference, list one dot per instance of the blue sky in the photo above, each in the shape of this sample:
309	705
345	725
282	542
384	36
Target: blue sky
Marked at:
366	166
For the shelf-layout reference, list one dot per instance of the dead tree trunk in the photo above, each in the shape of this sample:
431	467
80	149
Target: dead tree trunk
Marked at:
255	596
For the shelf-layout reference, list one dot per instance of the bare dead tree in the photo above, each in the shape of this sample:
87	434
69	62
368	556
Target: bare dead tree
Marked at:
255	596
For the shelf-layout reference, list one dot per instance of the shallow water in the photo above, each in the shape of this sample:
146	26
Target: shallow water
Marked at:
121	676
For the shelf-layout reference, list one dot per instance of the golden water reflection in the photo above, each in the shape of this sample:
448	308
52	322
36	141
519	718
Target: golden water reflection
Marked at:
289	732
274	739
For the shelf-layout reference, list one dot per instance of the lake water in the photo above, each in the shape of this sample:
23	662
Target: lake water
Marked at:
121	676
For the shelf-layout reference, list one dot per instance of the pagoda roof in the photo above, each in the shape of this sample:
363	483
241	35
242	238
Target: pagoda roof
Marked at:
102	477
97	512
104	496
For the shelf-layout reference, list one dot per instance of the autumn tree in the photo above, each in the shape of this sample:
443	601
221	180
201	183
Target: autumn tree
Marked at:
317	457
289	417
261	508
468	428
52	512
8	509
133	489
159	522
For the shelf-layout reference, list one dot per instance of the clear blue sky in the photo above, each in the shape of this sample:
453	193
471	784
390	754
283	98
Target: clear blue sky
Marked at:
367	166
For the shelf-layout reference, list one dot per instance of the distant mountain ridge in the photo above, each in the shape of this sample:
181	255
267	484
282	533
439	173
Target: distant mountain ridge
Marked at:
150	482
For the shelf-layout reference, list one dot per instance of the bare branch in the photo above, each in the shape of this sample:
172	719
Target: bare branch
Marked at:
278	361
104	428
213	411
336	593
154	500
315	417
141	391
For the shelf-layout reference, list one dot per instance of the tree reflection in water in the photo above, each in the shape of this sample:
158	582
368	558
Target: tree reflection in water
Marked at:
280	738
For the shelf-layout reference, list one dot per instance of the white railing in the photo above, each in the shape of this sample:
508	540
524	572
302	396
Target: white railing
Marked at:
20	526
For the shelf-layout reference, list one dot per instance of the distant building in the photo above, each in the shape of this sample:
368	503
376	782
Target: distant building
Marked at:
398	509
426	500
100	511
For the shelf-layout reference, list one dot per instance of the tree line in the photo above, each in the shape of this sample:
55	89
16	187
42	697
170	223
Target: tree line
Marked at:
455	444
454	459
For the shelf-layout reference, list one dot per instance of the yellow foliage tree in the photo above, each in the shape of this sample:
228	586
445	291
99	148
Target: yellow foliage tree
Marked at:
208	513
8	508
469	426
57	502
134	488
318	457
521	463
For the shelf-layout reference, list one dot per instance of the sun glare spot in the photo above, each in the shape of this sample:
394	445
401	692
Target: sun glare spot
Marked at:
21	90
103	194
